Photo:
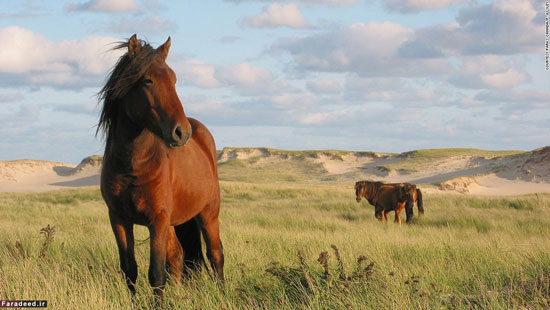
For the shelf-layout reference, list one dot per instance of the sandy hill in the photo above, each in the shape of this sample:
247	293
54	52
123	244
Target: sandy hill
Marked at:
39	175
454	170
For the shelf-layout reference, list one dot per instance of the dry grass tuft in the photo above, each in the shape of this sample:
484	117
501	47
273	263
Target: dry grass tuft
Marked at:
49	233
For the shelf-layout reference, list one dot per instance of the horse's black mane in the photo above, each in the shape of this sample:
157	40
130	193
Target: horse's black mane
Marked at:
127	71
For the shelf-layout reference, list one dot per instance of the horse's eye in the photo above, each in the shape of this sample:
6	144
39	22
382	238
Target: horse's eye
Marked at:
147	81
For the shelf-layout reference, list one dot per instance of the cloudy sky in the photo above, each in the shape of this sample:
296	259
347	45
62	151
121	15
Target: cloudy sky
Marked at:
380	75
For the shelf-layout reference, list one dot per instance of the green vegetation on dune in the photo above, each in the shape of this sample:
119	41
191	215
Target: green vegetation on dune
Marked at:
302	153
465	252
453	152
275	165
414	161
294	170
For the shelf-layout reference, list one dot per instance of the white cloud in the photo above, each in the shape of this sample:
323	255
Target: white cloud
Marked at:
196	73
204	75
201	105
104	6
242	74
488	71
151	25
293	101
332	1
336	2
315	118
356	83
34	60
502	28
324	86
86	108
528	98
367	49
509	78
277	15
413	6
11	97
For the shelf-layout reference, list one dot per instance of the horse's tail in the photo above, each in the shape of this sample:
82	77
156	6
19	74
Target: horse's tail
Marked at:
419	202
189	236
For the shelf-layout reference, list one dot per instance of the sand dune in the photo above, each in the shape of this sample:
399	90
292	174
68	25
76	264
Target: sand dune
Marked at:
464	171
38	175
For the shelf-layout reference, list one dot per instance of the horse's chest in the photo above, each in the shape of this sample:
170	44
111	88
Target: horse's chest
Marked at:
135	203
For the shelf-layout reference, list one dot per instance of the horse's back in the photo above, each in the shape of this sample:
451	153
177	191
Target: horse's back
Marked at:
387	196
204	139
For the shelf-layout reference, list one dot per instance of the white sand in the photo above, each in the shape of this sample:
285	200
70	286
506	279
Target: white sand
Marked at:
37	175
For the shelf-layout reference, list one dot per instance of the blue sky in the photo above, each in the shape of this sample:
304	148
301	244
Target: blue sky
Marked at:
379	75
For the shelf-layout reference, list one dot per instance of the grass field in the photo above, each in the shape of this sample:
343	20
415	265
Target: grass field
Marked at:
465	253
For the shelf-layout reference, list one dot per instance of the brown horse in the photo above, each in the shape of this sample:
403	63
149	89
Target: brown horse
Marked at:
403	192
159	168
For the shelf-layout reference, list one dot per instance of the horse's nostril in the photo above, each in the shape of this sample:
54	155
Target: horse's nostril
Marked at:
178	133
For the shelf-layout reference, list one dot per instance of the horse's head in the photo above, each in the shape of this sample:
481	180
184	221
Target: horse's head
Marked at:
152	101
359	189
407	192
366	189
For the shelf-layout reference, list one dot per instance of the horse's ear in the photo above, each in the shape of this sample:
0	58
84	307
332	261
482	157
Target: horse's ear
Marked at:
165	48
134	46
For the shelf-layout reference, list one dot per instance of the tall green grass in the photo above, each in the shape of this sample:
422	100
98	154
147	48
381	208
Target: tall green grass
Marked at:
466	252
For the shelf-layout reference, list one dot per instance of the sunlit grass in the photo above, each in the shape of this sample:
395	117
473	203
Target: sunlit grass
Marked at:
466	252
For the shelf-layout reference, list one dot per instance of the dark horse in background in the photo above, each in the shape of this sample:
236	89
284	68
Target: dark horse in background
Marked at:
159	168
390	197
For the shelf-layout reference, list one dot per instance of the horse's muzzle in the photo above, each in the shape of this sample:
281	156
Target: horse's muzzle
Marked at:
179	136
358	199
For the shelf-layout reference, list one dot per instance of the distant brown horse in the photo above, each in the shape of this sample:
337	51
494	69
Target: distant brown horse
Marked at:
390	197
159	168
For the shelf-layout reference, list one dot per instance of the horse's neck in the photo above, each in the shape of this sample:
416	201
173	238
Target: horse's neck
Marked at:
132	149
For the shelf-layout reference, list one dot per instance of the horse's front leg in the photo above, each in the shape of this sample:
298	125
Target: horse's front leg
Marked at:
378	213
398	210
397	219
124	234
159	230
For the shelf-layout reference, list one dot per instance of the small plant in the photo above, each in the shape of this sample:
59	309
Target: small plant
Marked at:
24	253
17	251
340	263
49	232
323	260
304	283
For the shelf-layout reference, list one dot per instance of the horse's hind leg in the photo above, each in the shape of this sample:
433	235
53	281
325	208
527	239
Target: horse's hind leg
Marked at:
124	234
189	235
214	247
409	210
174	257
